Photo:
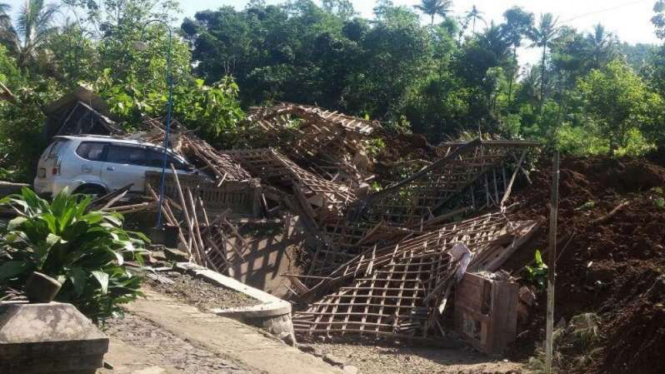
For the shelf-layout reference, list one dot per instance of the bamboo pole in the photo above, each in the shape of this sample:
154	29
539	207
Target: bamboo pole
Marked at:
509	189
193	244
551	271
196	231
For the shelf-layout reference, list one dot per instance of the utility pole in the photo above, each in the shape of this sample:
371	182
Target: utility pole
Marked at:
551	264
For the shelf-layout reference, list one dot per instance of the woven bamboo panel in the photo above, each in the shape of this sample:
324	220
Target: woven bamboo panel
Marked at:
242	197
322	141
476	169
397	290
319	196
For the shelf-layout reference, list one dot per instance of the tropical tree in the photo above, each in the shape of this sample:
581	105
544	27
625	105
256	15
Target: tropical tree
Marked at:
602	46
659	19
5	20
33	27
518	23
541	36
4	7
617	102
475	15
342	8
433	8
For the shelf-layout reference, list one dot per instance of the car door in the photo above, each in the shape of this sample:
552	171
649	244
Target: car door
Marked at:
124	165
87	163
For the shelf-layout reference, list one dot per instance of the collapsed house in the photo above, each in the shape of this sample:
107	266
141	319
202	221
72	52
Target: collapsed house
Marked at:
381	262
402	289
79	112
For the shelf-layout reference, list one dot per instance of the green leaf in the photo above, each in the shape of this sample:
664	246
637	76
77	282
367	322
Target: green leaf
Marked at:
539	258
11	269
103	280
118	257
78	277
660	203
114	219
18	221
53	239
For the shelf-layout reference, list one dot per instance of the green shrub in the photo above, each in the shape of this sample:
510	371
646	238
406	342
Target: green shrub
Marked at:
84	250
536	274
660	203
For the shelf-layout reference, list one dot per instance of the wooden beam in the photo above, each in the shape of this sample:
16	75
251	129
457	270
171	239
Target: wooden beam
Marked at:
551	271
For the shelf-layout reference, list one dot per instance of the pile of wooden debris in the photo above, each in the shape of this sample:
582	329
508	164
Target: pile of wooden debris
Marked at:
383	262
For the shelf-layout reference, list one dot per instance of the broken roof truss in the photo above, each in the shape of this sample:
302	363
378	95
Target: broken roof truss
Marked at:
401	290
474	171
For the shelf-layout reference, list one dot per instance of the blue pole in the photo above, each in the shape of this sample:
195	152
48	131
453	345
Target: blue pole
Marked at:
169	106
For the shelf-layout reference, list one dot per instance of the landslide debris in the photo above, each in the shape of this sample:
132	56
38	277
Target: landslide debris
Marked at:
614	268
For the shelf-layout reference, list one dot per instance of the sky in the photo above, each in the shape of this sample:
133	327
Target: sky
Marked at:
630	20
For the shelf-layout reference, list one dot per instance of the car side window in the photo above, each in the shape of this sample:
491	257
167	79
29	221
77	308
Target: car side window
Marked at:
155	158
55	148
92	151
120	154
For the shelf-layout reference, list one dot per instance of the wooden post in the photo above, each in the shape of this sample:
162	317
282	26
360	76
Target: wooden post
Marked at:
551	263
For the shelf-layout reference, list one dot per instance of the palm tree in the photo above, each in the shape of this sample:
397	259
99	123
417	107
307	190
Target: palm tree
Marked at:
435	7
541	36
30	32
474	14
494	40
518	23
602	46
4	17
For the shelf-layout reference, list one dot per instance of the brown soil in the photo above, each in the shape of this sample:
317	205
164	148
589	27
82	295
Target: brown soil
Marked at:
199	293
396	358
614	268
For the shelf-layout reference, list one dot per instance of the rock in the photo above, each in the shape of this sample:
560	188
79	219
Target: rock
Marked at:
175	255
527	296
306	348
350	369
40	288
158	255
288	338
311	350
333	360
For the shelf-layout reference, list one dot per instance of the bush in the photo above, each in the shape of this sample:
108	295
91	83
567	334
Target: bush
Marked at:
84	250
536	274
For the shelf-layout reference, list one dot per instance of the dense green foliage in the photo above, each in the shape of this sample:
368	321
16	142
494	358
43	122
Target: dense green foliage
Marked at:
84	250
423	69
441	79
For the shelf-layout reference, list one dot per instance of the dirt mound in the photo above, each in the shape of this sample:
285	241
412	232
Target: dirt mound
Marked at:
608	267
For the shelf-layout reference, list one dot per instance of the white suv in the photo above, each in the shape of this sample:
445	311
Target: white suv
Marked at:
92	164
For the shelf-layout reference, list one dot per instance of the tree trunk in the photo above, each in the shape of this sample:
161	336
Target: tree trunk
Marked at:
542	79
613	146
432	19
512	77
